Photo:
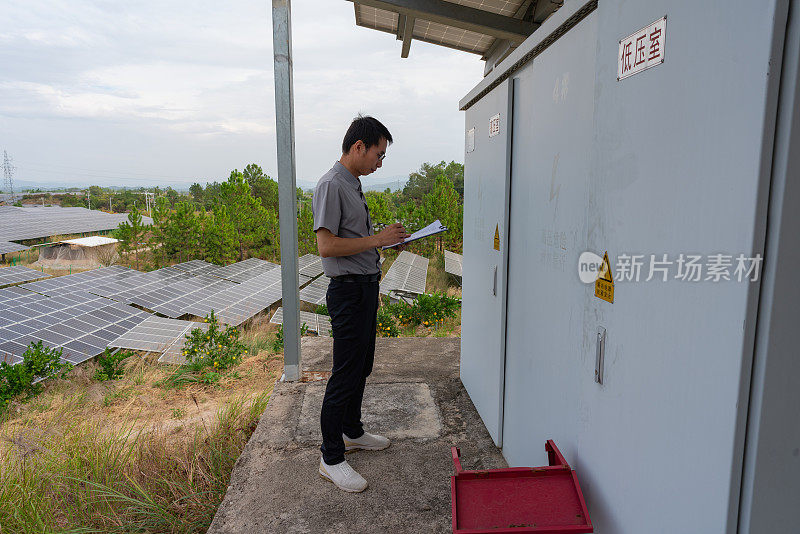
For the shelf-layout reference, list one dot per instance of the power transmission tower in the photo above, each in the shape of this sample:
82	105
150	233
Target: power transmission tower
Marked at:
8	175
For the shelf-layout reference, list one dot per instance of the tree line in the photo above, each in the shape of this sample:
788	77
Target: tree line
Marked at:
229	221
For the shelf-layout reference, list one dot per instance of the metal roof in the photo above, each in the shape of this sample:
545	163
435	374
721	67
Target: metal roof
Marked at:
92	241
475	26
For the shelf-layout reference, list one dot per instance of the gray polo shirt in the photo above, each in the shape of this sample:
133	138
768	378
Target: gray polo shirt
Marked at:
340	206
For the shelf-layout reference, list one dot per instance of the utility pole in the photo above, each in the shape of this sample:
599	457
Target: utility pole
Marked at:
88	200
287	185
8	175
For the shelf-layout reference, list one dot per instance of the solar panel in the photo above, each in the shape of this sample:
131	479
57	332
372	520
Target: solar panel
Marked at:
156	334
197	267
314	293
245	270
310	265
18	274
453	263
77	282
321	324
408	273
7	247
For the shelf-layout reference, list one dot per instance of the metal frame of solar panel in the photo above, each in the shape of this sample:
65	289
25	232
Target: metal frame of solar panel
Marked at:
157	334
453	263
17	274
321	324
314	293
79	323
408	273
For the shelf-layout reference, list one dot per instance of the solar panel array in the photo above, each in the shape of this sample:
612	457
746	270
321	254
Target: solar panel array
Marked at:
17	274
157	334
408	273
453	263
315	292
7	246
321	324
79	323
83	312
242	301
32	223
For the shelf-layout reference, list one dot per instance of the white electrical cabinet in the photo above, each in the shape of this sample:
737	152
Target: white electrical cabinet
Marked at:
656	132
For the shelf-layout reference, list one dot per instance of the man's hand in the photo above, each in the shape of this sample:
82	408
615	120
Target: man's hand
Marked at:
394	233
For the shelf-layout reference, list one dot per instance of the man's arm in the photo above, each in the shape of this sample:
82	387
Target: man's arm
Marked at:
330	245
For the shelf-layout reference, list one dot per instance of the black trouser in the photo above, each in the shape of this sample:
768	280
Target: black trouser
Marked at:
353	307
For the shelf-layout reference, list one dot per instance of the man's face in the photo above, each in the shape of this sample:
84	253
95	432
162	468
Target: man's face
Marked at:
371	159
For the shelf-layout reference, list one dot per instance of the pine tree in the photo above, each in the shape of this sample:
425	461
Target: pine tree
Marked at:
130	233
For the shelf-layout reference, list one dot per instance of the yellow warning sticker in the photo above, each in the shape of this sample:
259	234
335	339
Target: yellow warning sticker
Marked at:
497	237
604	285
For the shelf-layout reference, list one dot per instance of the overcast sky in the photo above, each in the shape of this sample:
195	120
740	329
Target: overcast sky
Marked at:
138	93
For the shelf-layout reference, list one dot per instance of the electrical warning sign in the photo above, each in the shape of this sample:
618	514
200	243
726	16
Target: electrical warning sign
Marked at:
604	285
497	237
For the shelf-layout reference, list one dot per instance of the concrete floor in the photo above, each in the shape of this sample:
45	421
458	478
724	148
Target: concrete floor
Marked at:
414	396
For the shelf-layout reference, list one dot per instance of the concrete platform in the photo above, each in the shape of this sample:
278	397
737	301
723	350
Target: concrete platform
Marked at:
414	396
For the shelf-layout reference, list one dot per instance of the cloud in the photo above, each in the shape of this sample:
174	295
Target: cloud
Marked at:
197	78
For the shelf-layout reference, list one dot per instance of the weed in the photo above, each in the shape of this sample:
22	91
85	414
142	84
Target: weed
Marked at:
321	309
110	365
277	341
178	413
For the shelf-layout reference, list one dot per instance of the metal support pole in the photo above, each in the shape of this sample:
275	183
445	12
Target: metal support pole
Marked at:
287	186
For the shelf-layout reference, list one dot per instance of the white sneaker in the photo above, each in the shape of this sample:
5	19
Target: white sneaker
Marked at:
344	476
367	442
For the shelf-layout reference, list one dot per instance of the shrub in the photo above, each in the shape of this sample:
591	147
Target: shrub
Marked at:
426	310
387	326
110	365
321	309
209	352
38	362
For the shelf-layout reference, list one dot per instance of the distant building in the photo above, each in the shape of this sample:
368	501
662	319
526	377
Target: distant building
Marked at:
82	253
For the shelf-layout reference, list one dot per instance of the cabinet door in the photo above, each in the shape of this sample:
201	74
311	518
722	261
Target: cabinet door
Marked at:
546	364
486	189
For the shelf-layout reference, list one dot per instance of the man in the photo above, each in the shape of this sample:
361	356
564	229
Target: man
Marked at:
350	258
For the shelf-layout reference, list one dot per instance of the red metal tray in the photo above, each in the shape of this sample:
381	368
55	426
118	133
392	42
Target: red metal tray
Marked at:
545	500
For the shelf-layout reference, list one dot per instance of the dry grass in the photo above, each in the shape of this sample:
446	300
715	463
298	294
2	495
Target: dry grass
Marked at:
128	455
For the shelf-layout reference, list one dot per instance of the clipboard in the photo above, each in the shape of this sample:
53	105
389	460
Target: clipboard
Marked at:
436	227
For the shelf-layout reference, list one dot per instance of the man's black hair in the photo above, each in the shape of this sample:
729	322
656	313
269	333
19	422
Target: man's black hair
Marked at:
367	129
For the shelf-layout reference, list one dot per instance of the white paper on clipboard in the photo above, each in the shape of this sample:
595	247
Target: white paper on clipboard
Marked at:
436	227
